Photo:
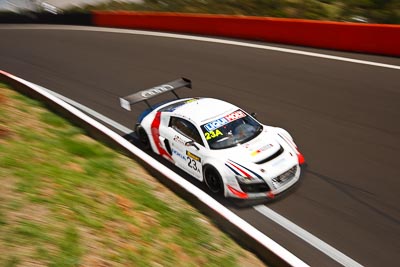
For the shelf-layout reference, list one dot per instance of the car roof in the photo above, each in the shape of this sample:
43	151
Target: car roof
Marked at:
202	110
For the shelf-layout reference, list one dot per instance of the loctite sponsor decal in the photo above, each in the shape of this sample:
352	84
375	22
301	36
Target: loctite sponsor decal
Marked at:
211	126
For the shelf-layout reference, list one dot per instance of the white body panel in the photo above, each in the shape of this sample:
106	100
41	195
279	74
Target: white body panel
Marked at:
273	145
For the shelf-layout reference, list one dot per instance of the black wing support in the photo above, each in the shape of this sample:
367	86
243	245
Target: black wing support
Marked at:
145	95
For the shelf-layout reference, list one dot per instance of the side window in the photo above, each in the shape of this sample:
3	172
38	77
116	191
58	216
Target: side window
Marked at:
186	128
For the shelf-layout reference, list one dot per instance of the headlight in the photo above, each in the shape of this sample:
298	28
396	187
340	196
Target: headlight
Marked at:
248	180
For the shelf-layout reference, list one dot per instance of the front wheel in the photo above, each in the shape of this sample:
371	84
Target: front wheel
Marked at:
213	180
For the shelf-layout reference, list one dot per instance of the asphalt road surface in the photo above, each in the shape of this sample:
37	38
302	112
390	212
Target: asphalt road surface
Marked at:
344	116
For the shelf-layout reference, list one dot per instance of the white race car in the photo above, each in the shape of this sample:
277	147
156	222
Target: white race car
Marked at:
218	143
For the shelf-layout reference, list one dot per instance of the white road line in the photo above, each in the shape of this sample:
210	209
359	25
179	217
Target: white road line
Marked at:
306	236
277	218
202	39
89	111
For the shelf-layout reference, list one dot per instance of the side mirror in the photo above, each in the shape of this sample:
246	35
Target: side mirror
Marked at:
254	115
192	143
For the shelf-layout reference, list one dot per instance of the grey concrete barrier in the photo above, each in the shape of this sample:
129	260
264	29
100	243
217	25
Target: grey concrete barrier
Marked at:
69	18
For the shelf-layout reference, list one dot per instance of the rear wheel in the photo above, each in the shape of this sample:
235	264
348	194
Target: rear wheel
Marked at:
213	180
143	137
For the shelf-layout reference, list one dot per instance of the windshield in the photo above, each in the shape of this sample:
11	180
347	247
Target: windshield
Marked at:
231	130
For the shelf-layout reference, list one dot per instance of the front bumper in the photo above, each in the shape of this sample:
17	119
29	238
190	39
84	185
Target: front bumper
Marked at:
271	191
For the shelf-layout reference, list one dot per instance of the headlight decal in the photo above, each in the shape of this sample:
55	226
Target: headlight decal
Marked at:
232	169
234	166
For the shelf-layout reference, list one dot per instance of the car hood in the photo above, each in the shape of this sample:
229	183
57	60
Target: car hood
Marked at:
260	148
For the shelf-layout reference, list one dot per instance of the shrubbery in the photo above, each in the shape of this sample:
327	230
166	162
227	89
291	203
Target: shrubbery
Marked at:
374	11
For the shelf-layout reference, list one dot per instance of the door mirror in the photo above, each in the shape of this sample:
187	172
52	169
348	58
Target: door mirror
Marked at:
192	143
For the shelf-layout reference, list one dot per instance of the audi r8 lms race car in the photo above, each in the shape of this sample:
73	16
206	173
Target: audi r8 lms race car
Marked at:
218	143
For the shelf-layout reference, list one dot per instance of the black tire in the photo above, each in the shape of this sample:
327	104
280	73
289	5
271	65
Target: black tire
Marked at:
143	138
213	180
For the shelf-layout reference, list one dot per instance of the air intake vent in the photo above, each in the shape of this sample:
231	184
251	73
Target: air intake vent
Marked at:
275	155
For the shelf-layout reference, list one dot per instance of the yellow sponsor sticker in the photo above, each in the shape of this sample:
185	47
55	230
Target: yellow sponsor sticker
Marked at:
254	153
212	134
193	156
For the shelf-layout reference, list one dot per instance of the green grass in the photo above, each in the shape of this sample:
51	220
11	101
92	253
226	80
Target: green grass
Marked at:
67	200
2	219
30	230
70	249
12	262
52	119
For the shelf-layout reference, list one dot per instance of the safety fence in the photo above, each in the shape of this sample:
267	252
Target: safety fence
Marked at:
381	39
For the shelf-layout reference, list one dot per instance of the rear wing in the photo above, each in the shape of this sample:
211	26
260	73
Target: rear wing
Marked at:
145	95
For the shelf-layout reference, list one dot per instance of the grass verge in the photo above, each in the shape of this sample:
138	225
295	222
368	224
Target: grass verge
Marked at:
67	200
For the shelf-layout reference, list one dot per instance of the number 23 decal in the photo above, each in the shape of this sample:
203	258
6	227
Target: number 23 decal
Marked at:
193	164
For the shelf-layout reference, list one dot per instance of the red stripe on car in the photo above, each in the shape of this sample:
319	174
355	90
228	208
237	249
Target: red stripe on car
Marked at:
155	132
237	193
239	169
